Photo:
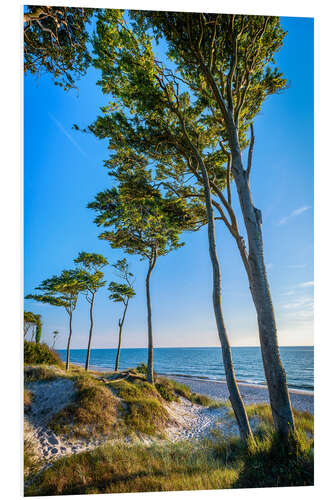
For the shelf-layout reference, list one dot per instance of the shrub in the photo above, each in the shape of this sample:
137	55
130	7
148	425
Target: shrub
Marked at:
166	389
38	354
142	368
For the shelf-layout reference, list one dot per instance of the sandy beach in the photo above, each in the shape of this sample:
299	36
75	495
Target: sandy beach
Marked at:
251	393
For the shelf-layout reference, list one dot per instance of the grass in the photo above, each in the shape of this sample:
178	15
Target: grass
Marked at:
93	413
28	396
303	419
213	464
129	404
35	354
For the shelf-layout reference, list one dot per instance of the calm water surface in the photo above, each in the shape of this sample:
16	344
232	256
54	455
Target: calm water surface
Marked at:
206	362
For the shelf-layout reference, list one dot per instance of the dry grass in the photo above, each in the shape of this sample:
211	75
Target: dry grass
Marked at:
216	464
93	413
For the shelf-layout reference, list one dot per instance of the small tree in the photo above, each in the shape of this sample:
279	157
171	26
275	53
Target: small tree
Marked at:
121	292
61	291
93	278
144	223
38	329
55	334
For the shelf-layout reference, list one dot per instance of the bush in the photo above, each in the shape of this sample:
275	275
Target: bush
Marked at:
142	368
40	354
166	389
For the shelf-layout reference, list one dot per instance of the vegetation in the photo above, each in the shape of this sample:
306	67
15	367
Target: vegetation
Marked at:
34	322
214	464
55	334
36	354
55	40
92	276
143	222
93	413
121	292
62	291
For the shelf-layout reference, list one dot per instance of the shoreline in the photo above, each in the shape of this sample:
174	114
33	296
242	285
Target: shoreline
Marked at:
293	390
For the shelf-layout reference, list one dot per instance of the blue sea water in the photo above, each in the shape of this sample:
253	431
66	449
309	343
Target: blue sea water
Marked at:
206	362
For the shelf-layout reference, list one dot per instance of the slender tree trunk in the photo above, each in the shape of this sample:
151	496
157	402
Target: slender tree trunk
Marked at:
121	322
90	330
150	365
259	286
69	339
235	396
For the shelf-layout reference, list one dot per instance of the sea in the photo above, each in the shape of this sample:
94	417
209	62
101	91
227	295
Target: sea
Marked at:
206	362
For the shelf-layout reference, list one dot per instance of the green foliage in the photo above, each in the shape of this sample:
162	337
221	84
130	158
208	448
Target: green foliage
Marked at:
142	368
62	290
36	354
38	332
166	390
91	261
55	40
122	292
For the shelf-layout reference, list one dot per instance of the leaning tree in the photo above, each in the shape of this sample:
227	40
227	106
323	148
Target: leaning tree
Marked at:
61	291
158	121
236	53
228	62
121	292
91	274
143	222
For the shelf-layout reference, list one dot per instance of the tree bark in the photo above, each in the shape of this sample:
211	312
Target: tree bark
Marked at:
259	286
121	322
69	340
90	330
150	364
235	396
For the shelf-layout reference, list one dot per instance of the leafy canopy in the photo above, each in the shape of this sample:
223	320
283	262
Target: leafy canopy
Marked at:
55	40
122	292
61	290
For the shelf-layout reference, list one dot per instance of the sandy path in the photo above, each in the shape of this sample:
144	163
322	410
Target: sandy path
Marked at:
49	397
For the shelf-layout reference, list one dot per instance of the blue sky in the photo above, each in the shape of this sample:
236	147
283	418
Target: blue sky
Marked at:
64	171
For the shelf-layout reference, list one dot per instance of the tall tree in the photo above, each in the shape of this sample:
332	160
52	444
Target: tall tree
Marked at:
55	40
61	291
121	292
228	60
169	131
144	223
92	276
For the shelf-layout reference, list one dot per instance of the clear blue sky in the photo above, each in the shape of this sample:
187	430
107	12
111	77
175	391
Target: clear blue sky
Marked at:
63	171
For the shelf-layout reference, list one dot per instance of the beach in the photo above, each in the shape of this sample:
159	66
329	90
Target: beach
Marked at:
301	400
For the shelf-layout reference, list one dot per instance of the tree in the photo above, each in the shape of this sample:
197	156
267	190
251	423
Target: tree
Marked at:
55	40
91	275
38	329
121	292
228	60
29	321
61	291
55	334
169	131
144	223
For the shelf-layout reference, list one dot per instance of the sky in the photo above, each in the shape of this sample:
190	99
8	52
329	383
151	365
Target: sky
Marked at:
63	171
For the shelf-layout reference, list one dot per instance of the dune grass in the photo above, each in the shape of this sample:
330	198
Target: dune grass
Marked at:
218	463
93	413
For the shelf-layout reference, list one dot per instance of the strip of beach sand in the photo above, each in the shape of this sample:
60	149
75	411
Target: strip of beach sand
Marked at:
251	393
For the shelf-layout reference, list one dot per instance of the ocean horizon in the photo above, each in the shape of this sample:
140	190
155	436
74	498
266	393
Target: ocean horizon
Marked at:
206	362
